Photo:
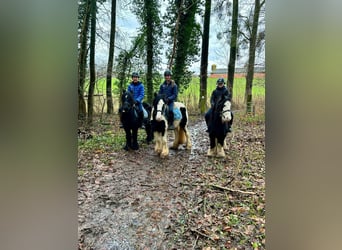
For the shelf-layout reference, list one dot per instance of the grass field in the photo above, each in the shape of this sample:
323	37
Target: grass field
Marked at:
190	97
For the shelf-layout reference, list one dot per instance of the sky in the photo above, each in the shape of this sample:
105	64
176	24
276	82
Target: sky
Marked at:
127	25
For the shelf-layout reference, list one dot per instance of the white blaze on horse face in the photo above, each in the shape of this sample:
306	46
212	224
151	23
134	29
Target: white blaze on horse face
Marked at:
159	116
226	115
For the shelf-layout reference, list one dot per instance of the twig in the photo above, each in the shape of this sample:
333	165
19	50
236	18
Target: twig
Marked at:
193	247
219	187
231	190
202	234
147	185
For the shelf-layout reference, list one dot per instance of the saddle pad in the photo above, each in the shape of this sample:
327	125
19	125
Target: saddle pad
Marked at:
145	113
177	114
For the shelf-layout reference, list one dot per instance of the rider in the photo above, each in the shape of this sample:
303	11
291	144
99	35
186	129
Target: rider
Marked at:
170	90
217	94
137	88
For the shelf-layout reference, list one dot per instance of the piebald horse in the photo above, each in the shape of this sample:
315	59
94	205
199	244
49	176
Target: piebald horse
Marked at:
218	127
160	125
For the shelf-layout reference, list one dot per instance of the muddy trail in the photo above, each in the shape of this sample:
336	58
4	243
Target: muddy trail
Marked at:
135	200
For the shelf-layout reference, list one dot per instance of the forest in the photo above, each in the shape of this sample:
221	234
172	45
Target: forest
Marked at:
134	199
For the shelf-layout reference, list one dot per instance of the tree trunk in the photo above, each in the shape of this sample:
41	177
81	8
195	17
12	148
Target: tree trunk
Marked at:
204	58
251	59
82	59
110	60
149	50
233	47
92	62
175	35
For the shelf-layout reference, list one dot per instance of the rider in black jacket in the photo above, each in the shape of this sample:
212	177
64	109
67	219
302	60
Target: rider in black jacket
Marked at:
217	94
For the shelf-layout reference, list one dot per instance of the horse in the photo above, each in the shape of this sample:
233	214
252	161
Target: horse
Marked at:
131	120
159	119
218	127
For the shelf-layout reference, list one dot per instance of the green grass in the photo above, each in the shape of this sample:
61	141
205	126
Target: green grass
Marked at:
190	96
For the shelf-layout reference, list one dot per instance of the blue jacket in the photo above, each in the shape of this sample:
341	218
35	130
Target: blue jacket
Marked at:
138	91
170	90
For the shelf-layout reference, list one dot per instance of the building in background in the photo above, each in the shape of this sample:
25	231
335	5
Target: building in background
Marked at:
259	72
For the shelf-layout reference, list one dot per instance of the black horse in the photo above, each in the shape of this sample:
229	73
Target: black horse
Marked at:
132	120
218	127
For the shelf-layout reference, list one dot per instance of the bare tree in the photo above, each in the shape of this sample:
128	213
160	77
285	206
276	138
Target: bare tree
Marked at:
233	47
204	57
84	17
110	59
251	58
92	61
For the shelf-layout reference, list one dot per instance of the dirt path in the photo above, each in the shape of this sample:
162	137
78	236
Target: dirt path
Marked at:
135	200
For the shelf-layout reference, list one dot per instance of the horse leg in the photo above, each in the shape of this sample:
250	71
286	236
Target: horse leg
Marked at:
135	145
128	139
148	130
188	140
176	142
220	142
158	144
212	148
165	148
220	151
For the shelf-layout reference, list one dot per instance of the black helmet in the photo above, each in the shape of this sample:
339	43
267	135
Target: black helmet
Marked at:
220	80
167	73
135	74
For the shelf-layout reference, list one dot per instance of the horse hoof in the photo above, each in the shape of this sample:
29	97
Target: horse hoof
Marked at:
126	148
135	147
211	152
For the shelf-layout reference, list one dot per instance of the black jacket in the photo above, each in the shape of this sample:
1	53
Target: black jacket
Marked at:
219	93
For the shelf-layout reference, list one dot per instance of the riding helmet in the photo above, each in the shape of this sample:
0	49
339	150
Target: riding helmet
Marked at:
220	80
167	73
135	74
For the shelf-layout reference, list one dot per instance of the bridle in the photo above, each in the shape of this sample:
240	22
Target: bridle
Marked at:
162	111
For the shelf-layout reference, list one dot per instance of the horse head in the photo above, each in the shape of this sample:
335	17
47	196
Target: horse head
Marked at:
225	113
160	107
127	101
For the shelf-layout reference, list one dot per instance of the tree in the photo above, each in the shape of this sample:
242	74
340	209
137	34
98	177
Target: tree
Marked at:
84	17
251	57
187	38
233	47
147	12
125	60
204	57
110	59
92	61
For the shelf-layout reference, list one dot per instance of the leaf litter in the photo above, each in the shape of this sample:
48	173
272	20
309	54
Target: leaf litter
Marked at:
135	200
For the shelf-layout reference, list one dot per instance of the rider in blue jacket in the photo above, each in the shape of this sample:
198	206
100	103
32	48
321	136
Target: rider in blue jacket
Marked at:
137	88
170	90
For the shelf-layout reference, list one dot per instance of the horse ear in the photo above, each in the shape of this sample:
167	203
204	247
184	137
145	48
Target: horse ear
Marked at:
155	94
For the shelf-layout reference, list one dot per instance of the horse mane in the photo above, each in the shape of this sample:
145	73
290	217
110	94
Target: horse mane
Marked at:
157	97
124	93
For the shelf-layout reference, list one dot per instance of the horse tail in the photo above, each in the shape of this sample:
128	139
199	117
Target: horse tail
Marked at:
184	119
182	125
